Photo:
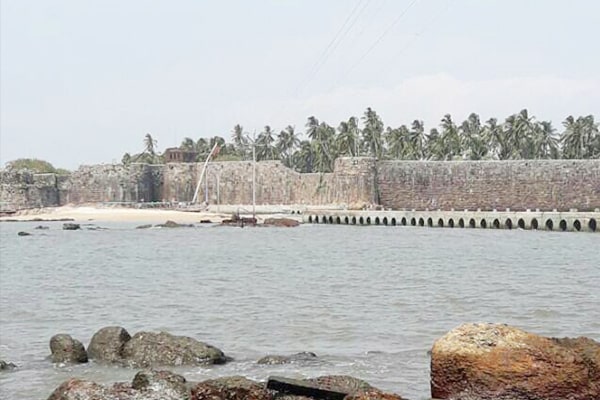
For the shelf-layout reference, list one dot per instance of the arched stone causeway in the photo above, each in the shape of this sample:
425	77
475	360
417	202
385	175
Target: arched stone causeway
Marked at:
421	222
368	220
393	221
592	225
346	220
430	222
483	223
508	223
338	220
330	219
496	224
562	225
534	223
413	222
521	223
472	223
361	221
385	221
577	225
440	223
461	223
549	224
451	223
403	221
377	222
353	220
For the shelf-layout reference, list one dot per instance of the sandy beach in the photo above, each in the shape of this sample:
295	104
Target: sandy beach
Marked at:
112	214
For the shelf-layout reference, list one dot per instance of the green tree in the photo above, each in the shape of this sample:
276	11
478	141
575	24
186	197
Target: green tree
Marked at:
372	133
546	143
287	141
304	157
348	137
188	144
265	148
240	141
473	135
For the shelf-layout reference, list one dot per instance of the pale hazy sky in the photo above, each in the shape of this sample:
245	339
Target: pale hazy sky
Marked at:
82	82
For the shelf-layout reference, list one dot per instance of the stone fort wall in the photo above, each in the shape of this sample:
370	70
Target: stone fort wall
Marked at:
421	185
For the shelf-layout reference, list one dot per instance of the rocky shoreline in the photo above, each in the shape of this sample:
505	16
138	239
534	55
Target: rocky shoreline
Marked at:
472	361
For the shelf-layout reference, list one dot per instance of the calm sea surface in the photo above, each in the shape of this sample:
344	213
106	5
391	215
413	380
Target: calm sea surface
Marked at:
370	301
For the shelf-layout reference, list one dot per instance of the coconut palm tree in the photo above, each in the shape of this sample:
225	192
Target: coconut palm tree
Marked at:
450	145
348	137
475	144
546	143
396	141
265	149
372	133
187	144
304	157
287	142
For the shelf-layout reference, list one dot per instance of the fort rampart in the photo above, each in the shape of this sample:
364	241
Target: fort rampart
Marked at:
400	185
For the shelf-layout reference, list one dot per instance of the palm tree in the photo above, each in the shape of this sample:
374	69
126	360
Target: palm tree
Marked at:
187	144
475	144
265	150
240	141
348	137
396	140
546	144
497	140
572	138
372	132
450	145
416	138
304	157
287	141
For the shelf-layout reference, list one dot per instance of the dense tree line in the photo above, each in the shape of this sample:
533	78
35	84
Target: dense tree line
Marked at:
520	136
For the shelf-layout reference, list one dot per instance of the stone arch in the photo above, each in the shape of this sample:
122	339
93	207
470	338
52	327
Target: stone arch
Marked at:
451	223
377	221
385	221
483	223
403	221
534	223
361	221
577	225
368	220
310	219
592	225
521	223
508	223
472	223
429	222
421	222
346	220
413	221
330	219
440	223
549	224
461	222
562	225
496	223
338	220
353	220
393	221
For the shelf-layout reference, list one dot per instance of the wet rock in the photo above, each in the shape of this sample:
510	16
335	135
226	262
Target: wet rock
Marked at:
23	233
281	222
497	361
328	387
231	388
107	344
69	226
147	385
6	366
165	381
278	359
205	221
173	224
79	389
373	395
146	349
65	349
42	227
146	226
342	383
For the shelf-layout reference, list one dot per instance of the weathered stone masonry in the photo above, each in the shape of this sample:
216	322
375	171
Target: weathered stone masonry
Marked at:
420	185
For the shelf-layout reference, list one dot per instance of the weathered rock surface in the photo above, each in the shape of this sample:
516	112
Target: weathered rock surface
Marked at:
165	381
231	388
491	361
281	222
65	349
146	349
6	366
279	359
107	344
69	226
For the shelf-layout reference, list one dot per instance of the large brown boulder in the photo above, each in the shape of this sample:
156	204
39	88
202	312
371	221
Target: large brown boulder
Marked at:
147	349
107	344
491	361
79	389
65	349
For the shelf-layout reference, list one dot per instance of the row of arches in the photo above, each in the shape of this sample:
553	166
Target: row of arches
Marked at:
497	223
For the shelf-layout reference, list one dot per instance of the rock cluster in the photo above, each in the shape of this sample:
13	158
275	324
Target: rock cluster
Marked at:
114	344
492	361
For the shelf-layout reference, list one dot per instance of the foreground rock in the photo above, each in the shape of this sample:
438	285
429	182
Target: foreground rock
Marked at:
146	349
490	361
154	385
298	357
23	233
281	222
107	344
6	366
65	349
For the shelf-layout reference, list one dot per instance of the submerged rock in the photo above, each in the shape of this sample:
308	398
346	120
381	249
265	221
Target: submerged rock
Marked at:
147	349
491	361
42	227
146	226
231	388
278	359
173	224
69	226
6	366
22	233
107	344
282	222
65	349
